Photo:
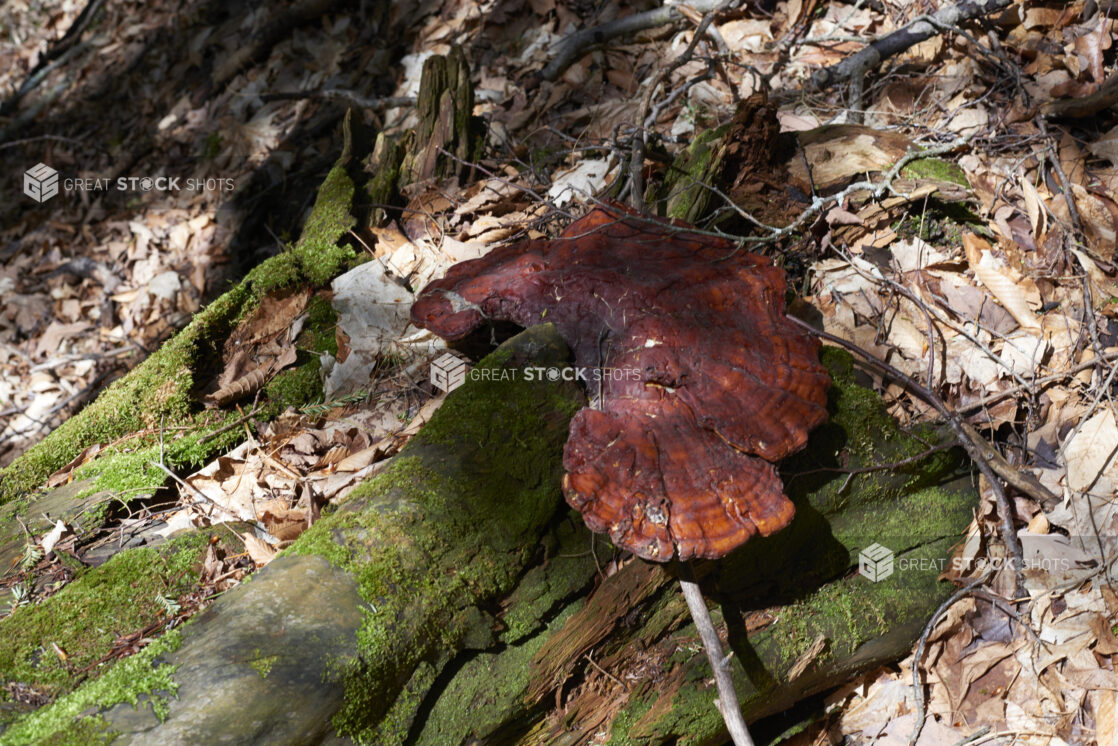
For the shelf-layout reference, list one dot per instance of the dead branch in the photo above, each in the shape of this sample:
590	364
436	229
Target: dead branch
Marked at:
921	29
917	687
1086	106
349	97
636	161
728	703
56	56
575	45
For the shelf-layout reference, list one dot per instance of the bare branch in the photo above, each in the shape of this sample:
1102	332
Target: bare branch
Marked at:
575	45
921	29
728	703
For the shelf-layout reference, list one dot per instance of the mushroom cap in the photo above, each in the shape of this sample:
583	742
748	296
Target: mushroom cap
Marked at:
700	382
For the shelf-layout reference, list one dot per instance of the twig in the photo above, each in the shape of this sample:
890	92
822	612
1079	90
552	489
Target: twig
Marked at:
974	736
55	56
919	30
227	428
727	702
640	142
1036	383
1080	234
26	140
349	97
917	686
199	493
1065	184
605	673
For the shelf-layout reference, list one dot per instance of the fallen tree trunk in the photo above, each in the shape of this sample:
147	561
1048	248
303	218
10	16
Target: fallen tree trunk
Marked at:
454	599
921	29
353	625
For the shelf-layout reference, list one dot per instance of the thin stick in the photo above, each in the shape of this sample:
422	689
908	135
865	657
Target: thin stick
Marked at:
199	493
571	47
917	685
727	701
640	137
230	426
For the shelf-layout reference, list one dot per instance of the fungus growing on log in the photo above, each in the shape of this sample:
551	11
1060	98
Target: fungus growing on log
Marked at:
698	381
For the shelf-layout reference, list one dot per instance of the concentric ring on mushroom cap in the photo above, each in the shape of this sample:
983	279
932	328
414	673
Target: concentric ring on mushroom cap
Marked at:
704	380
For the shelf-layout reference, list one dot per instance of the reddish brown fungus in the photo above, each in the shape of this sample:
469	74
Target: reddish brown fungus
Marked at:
698	381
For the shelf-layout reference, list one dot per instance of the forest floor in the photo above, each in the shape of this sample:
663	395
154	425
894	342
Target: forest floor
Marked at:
987	279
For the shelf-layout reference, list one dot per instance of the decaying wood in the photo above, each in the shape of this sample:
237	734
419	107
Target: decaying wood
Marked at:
445	111
625	658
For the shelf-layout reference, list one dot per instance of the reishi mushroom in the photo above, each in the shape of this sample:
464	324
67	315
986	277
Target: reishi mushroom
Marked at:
698	381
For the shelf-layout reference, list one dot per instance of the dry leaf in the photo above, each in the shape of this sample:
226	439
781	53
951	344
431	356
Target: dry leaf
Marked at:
1105	705
1004	289
258	551
1038	216
1089	452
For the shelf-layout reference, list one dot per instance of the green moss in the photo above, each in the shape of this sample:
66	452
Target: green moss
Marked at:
451	521
633	711
156	390
87	616
569	568
919	511
263	665
686	196
296	386
488	690
318	250
384	166
274	273
159	390
815	593
320	334
128	470
67	721
399	719
936	168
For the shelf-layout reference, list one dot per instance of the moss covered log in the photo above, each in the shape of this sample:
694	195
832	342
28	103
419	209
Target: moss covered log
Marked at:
626	661
162	389
348	631
447	600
